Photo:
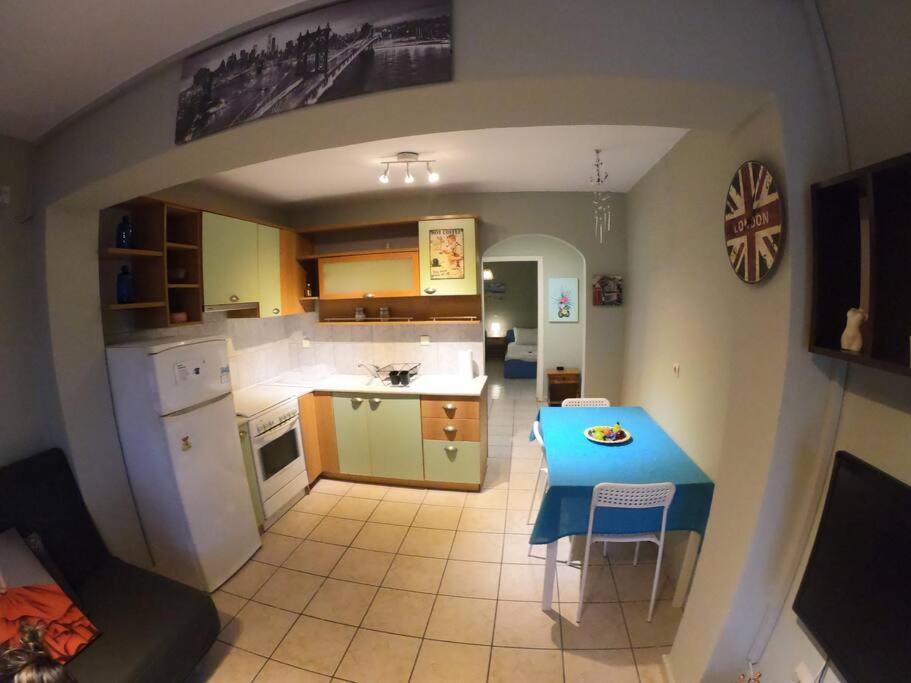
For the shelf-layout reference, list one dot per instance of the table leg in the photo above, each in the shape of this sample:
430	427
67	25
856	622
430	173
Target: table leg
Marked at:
686	570
550	576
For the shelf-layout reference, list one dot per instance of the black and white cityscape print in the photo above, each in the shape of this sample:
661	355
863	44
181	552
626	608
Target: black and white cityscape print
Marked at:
350	48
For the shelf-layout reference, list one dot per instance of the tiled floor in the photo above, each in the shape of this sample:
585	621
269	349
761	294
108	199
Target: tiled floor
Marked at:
373	584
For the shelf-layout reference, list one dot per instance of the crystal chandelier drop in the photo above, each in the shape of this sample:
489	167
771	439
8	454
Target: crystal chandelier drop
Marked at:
601	198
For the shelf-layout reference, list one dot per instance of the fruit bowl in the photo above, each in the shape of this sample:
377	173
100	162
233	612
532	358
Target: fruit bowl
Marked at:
607	436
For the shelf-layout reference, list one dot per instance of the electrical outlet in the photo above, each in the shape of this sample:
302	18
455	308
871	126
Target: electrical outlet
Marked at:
6	195
676	368
425	340
305	343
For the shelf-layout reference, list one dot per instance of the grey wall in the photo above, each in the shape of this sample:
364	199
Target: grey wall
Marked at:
517	306
29	416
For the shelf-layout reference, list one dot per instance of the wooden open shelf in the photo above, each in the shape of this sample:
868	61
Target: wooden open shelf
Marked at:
135	306
115	252
180	246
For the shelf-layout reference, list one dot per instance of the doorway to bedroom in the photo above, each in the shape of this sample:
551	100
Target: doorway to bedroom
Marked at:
512	305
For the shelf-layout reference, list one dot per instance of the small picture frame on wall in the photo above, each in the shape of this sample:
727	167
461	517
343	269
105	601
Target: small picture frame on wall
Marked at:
607	290
563	300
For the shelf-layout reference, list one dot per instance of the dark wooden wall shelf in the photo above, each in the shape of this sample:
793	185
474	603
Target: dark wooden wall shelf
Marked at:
862	258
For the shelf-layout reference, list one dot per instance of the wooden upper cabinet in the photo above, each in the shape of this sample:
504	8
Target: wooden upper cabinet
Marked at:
270	293
230	262
380	274
448	257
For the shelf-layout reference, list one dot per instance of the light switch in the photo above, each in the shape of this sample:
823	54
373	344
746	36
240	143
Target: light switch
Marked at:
676	368
803	674
305	343
425	340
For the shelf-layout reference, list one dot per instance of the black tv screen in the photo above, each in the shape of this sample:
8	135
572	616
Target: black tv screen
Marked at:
855	596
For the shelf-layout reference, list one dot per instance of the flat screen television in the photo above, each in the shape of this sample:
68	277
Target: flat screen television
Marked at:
855	596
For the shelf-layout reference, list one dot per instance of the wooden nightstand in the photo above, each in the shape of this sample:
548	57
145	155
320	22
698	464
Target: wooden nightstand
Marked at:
495	347
565	383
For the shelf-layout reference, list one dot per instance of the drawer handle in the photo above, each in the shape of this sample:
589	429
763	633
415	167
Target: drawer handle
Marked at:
275	311
234	298
430	290
368	295
449	429
449	407
376	401
357	401
450	449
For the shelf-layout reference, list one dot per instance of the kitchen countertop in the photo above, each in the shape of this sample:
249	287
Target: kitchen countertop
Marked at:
429	385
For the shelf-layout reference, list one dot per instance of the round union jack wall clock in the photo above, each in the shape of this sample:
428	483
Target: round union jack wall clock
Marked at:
753	222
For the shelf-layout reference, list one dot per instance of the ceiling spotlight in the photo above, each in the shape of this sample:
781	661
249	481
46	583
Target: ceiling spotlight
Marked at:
408	177
385	177
432	176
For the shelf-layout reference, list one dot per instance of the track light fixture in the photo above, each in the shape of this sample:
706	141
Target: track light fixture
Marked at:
406	159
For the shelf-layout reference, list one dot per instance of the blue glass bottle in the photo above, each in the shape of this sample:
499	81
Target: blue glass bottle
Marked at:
125	233
126	291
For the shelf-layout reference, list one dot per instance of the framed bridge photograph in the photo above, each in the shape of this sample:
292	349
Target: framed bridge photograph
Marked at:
342	50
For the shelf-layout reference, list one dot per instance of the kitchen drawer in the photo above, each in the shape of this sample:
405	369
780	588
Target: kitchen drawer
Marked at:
443	429
450	408
452	461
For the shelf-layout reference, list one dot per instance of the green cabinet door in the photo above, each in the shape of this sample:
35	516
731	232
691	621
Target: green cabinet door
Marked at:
452	461
270	277
448	257
394	428
229	260
351	433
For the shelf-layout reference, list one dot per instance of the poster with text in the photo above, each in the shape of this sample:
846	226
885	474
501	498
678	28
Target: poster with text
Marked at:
447	254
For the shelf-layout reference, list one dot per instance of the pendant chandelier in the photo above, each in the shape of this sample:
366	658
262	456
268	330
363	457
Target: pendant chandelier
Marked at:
601	198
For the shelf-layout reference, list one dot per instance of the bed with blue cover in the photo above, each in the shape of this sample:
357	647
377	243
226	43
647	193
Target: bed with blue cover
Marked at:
521	357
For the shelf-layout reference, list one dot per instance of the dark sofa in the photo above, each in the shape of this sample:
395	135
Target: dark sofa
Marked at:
153	629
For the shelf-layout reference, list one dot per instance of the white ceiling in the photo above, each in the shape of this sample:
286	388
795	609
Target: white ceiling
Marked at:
534	159
56	58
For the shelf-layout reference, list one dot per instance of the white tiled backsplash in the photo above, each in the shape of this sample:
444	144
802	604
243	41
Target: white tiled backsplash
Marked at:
263	348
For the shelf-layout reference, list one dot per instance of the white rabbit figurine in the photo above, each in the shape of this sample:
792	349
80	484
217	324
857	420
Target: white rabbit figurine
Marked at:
851	338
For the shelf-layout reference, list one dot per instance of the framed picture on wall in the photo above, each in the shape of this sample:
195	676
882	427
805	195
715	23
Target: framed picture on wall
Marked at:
607	290
563	300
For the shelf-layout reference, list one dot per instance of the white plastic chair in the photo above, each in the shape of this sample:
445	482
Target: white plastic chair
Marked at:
542	469
585	403
628	496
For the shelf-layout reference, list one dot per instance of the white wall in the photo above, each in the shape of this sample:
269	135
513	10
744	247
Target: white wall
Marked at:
517	306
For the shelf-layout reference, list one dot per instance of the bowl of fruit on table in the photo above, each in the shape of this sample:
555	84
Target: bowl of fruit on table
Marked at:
608	436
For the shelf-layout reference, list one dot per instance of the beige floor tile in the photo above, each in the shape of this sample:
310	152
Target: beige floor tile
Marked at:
226	664
402	612
451	663
388	512
519	500
362	566
227	605
477	546
276	548
525	624
297	524
332	486
315	557
276	672
336	530
341	601
427	542
383	537
471	579
623	553
462	620
374	491
522	481
401	494
315	644
421	574
491	499
602	626
530	454
249	579
350	507
509	665
515	550
660	632
634	582
379	658
517	522
317	503
598	666
524	466
576	550
522	582
482	520
258	628
599	584
449	498
437	516
649	661
288	589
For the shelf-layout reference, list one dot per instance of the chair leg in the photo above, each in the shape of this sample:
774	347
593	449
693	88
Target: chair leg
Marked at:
534	494
651	606
604	549
636	555
582	580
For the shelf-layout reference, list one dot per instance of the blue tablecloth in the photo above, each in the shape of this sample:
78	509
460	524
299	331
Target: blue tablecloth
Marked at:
575	465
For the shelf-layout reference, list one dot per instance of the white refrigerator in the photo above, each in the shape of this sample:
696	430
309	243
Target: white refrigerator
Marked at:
175	416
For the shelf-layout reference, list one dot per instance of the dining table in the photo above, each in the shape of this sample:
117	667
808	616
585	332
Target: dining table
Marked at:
576	464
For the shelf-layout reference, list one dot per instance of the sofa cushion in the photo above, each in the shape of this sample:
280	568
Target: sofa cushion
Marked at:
39	494
153	629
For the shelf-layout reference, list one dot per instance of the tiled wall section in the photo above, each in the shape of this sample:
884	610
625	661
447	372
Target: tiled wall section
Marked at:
264	348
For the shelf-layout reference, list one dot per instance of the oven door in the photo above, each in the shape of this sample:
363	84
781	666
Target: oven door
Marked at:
279	457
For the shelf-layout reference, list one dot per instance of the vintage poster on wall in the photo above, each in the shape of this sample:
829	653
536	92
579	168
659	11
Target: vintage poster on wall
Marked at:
563	303
607	290
345	49
447	254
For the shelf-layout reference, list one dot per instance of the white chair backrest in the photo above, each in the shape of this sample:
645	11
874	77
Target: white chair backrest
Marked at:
536	428
609	495
585	403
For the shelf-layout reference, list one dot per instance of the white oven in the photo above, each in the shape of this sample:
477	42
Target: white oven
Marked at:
278	457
